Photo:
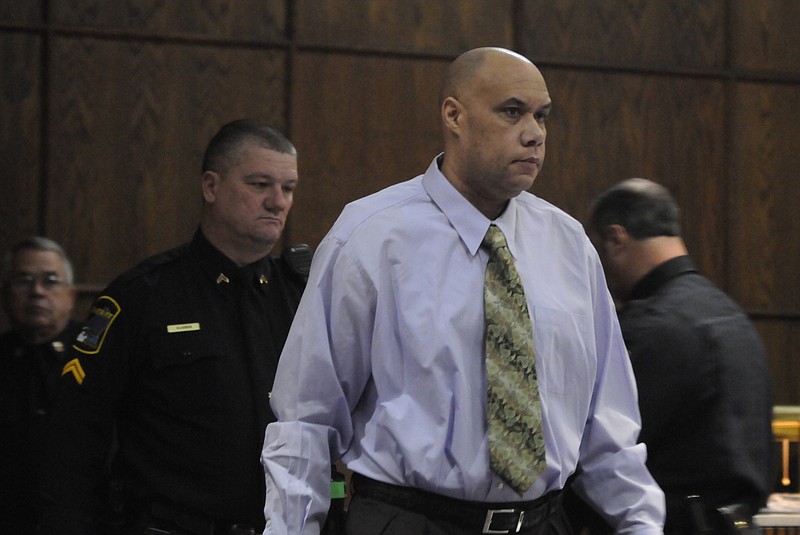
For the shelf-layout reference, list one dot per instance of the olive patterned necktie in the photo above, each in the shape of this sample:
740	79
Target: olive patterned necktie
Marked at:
516	445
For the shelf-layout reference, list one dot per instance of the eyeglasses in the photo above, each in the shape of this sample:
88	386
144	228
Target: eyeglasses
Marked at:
26	282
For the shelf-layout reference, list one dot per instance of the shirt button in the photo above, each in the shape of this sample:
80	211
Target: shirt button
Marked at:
499	485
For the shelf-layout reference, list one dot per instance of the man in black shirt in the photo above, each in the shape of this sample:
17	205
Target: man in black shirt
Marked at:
177	360
38	297
703	380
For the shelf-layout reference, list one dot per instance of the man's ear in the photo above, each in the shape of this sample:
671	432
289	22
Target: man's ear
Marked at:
209	182
616	238
451	113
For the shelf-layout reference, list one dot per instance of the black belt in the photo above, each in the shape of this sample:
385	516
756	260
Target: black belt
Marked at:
488	517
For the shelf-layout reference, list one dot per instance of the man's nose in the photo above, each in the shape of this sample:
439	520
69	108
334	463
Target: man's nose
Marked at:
534	132
38	287
278	200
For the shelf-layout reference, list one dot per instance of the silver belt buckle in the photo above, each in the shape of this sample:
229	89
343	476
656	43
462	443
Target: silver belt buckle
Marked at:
487	525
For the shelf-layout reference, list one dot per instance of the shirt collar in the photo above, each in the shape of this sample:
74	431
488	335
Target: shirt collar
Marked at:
660	275
470	224
222	270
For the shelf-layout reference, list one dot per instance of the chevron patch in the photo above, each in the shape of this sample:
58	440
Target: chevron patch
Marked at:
74	367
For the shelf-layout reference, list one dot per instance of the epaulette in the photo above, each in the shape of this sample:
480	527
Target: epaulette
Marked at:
147	265
298	259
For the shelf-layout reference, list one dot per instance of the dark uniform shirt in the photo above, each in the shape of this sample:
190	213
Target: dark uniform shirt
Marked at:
27	387
181	353
704	389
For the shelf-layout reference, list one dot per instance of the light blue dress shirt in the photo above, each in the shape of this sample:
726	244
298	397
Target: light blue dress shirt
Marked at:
384	364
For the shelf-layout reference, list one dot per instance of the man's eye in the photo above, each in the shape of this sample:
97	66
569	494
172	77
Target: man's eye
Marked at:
512	112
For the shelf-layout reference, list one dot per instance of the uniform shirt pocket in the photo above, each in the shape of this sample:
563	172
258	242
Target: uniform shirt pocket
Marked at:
187	370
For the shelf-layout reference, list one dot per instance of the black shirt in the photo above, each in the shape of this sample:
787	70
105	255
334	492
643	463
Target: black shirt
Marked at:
180	353
27	387
704	389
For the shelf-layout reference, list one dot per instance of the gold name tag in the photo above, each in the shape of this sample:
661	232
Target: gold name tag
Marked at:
183	327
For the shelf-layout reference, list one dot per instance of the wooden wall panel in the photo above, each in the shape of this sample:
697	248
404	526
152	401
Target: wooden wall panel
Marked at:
765	225
441	27
20	136
359	124
14	11
635	33
20	139
766	36
608	127
782	340
242	19
130	122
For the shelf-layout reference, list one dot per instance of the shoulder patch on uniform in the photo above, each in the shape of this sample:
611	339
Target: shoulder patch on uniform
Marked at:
93	332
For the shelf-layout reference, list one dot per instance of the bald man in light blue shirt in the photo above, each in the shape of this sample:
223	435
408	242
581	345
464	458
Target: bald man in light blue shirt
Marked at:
384	366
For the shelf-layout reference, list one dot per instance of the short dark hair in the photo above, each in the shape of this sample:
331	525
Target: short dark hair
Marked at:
36	243
224	146
645	208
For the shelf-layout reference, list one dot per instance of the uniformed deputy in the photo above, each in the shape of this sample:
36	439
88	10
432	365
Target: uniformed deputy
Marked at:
177	358
38	297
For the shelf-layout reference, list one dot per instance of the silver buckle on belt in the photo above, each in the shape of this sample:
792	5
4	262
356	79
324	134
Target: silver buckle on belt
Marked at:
487	525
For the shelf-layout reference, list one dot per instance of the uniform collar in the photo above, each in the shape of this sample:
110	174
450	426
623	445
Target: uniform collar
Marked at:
57	346
222	271
660	275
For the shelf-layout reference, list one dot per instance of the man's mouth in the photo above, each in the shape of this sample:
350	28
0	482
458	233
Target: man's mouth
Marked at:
530	162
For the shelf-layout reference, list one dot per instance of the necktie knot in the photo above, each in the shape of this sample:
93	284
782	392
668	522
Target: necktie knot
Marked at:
494	239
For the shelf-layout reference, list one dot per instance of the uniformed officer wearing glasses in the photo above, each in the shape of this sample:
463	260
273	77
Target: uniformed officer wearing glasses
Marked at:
38	297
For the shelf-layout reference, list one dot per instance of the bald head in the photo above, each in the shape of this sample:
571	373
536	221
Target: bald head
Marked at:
645	208
462	71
